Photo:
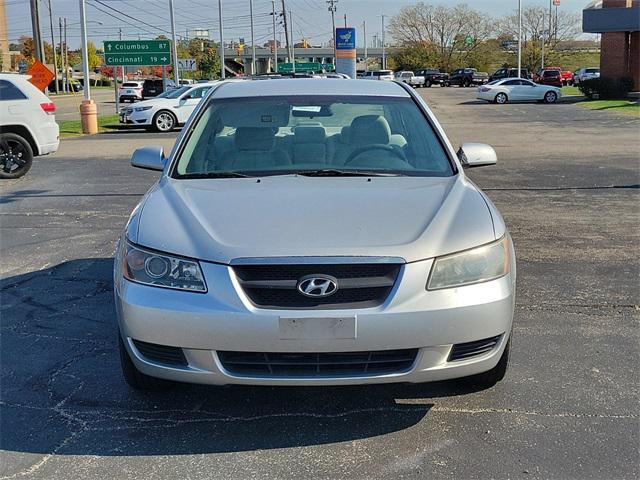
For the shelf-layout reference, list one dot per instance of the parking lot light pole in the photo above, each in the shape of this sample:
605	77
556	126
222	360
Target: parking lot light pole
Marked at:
253	42
519	38
221	40
275	41
88	109
174	47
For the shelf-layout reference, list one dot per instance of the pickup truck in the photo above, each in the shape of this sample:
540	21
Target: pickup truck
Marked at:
465	77
409	78
434	76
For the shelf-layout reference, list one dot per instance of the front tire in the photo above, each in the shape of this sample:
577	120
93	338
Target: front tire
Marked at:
550	97
16	156
134	377
164	121
427	84
496	374
501	98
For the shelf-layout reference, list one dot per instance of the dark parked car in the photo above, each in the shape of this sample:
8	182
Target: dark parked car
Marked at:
549	76
433	76
154	87
72	86
465	77
509	73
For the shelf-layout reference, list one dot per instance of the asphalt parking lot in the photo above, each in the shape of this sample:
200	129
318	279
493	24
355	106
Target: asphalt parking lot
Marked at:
567	183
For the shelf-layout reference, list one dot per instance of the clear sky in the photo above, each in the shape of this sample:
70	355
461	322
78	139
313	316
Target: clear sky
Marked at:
148	18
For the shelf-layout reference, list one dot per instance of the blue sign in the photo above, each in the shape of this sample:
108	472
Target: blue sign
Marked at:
345	38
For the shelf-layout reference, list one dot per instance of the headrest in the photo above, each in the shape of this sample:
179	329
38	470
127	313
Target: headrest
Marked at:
255	138
368	129
345	134
309	134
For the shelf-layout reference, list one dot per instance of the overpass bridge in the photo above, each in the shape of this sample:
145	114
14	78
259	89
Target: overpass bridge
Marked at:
264	56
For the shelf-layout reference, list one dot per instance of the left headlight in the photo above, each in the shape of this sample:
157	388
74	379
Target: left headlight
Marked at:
480	264
161	270
142	109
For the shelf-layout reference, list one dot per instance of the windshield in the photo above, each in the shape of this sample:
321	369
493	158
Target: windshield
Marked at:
293	134
592	70
176	92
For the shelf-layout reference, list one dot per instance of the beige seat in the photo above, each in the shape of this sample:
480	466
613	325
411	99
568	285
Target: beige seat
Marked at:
364	130
310	145
255	149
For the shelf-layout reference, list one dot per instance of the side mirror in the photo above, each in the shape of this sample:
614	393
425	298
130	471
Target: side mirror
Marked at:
150	158
477	155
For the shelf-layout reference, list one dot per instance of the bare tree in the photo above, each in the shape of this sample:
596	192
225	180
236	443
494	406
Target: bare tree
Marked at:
535	26
453	31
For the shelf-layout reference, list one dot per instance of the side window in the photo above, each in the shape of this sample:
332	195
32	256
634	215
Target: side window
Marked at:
8	91
512	82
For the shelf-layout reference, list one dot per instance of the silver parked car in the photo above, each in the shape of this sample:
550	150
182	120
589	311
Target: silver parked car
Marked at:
314	232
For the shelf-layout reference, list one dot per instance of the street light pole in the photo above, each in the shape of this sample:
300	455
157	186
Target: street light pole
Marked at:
88	110
37	34
64	84
221	40
253	43
275	41
53	46
332	9
364	35
293	44
384	54
519	38
174	46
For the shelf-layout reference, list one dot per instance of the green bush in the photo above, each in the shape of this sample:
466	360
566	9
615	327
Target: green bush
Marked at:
606	87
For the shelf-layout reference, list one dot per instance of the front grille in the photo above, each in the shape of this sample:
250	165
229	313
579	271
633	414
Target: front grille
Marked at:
359	285
462	351
161	353
340	364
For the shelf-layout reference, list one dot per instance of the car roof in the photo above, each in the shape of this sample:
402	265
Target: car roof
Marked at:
309	86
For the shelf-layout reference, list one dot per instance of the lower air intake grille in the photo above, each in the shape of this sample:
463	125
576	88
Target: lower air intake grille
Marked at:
462	351
161	353
342	364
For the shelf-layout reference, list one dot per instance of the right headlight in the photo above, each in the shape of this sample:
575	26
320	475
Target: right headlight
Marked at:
161	269
480	264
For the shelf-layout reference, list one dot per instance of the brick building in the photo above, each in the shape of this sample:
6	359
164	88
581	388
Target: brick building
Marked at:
619	23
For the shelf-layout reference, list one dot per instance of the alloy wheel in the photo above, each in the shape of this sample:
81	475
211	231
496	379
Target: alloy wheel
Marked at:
165	122
501	98
550	97
12	156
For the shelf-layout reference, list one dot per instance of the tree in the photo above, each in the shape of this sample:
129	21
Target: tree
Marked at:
94	59
535	26
452	33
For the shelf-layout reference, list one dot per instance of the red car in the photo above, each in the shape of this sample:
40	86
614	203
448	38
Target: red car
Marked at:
567	76
549	76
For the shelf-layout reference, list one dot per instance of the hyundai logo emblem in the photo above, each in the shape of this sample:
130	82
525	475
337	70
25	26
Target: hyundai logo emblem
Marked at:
317	286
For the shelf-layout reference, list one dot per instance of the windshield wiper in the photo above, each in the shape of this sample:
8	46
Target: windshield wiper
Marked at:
336	172
215	175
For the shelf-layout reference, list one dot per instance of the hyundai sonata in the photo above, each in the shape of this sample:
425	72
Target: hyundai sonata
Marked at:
314	232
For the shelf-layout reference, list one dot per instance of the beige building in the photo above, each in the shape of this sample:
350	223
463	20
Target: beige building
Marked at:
5	56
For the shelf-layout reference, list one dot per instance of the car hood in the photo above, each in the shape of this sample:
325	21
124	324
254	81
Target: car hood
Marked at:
220	220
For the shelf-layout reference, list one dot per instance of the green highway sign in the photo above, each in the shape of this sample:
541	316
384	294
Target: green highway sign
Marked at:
137	52
127	59
305	67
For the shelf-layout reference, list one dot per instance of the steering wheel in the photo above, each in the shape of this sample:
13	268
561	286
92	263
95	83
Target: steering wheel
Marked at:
376	146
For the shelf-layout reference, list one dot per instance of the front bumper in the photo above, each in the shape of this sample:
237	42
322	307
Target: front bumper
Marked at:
135	118
224	319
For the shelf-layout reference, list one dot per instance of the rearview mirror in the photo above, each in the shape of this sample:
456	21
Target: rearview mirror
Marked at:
477	155
150	157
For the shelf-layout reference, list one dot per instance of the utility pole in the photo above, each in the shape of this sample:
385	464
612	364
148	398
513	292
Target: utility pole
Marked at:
332	9
253	43
384	53
345	20
221	40
88	109
519	38
286	31
174	45
66	55
35	26
275	41
293	44
53	46
364	35
64	84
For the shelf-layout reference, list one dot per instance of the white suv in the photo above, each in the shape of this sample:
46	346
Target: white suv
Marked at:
28	126
131	90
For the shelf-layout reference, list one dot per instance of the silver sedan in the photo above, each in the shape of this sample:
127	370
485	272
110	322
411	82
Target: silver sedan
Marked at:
517	90
314	232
